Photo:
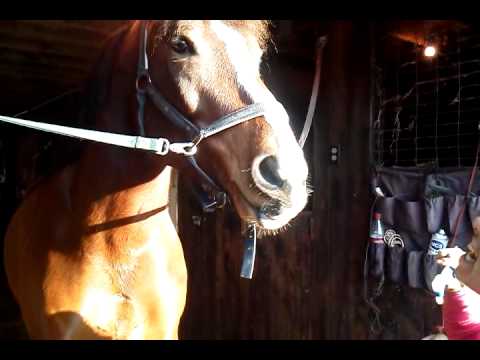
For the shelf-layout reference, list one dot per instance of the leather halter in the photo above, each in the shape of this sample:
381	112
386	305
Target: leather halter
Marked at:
216	197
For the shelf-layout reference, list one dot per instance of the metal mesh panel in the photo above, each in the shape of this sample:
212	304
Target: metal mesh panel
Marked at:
427	110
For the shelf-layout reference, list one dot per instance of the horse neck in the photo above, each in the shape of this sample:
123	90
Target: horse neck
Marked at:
110	169
119	182
114	182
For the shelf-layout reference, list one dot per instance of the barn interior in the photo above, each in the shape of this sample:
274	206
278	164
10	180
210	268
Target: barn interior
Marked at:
382	104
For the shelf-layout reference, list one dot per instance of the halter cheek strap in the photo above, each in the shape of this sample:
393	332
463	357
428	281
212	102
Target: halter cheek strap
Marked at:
145	87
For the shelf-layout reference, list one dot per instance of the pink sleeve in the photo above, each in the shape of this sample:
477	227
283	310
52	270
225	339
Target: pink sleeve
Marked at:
461	315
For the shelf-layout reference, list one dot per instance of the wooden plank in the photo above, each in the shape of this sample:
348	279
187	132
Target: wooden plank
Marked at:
65	34
26	77
321	198
341	212
15	59
95	27
52	33
38	50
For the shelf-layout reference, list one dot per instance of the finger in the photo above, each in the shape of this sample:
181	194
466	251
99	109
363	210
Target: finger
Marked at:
454	253
447	262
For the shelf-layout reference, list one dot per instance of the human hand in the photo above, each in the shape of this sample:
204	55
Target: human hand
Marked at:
450	257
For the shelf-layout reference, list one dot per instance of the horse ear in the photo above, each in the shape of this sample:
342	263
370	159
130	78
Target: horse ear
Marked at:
132	23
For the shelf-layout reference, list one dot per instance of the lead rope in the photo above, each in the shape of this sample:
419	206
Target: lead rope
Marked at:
321	42
250	241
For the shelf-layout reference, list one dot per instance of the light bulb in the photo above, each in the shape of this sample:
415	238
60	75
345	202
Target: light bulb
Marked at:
430	51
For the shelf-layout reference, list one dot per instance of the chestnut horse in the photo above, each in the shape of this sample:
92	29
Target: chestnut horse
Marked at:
92	252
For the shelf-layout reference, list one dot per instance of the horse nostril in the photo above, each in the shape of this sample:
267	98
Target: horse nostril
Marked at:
269	170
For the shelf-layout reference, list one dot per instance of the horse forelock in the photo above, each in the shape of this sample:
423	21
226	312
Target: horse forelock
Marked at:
99	85
260	29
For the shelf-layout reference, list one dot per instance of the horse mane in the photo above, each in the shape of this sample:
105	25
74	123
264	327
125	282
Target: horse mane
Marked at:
59	152
98	85
259	28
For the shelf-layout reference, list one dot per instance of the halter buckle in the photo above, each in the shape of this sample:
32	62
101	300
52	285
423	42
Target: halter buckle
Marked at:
162	146
220	199
250	244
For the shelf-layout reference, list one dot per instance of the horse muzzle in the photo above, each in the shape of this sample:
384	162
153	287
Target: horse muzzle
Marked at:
285	192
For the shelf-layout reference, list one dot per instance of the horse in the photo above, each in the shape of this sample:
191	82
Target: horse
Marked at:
92	252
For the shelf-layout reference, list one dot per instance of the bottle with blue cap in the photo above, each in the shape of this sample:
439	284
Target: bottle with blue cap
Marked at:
438	242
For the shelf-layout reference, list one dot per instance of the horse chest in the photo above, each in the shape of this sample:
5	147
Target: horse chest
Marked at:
139	297
108	315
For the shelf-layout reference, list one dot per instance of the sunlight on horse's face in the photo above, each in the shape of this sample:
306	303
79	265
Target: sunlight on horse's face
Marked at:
214	69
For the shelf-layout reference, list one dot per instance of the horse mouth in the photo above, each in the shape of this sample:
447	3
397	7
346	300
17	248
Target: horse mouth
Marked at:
269	214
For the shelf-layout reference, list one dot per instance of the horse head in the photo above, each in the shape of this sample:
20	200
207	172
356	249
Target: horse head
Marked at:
209	69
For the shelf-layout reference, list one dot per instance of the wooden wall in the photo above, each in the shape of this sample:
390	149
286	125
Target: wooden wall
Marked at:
307	281
341	205
40	59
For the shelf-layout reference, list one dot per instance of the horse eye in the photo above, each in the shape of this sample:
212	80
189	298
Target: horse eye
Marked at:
181	45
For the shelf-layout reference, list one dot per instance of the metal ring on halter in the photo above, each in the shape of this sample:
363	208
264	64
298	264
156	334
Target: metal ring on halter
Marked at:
199	137
220	199
188	149
191	148
142	82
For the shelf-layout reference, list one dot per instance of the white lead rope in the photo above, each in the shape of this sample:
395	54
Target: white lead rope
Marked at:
160	146
321	42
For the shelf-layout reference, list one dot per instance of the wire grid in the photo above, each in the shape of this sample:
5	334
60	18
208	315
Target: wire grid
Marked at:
427	110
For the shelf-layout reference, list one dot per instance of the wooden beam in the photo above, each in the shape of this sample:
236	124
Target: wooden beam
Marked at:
49	37
18	61
37	49
93	27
